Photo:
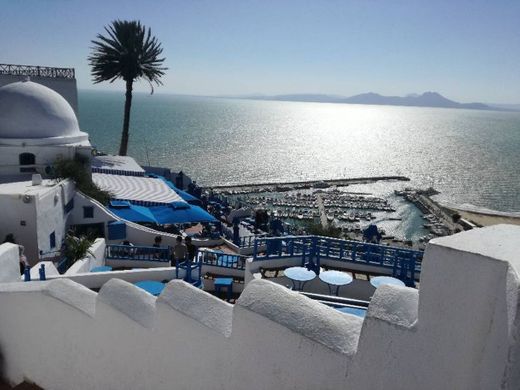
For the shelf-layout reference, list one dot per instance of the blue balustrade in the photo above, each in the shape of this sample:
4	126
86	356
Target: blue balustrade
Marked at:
404	264
141	253
249	241
221	259
192	271
62	265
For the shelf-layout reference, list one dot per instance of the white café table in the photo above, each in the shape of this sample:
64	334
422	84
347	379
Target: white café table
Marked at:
380	280
299	276
335	279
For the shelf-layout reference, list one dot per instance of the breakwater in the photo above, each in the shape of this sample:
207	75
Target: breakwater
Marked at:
294	185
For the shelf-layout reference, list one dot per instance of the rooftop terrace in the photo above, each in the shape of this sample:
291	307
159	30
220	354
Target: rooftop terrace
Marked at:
459	331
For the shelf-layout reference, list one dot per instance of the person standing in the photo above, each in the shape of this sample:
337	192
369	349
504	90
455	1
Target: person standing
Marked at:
191	249
23	260
179	251
157	242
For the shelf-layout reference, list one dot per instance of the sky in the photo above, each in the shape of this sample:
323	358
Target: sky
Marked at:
466	50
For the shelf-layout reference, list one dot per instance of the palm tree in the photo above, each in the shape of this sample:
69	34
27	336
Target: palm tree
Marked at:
128	52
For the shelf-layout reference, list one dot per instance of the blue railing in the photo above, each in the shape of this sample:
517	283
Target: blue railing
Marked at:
249	241
60	262
405	264
62	265
192	271
141	253
220	259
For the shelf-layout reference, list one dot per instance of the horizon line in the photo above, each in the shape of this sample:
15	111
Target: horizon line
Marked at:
252	96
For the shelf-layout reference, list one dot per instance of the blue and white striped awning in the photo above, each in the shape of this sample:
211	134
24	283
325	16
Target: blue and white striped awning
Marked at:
139	190
116	165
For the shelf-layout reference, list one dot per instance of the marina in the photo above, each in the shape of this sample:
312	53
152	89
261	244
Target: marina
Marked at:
257	241
351	208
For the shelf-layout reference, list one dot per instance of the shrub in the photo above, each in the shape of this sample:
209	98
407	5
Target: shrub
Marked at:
77	248
317	229
78	171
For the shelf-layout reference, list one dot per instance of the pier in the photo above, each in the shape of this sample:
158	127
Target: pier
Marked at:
293	185
323	212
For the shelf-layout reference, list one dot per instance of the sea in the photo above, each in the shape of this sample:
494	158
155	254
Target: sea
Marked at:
469	156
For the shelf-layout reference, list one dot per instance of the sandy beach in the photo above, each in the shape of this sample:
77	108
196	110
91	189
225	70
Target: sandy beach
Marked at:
484	218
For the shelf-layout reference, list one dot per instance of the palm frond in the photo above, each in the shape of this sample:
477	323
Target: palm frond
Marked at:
129	52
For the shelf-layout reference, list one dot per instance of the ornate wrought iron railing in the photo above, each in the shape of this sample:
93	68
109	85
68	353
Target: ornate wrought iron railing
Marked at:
37	71
138	253
221	259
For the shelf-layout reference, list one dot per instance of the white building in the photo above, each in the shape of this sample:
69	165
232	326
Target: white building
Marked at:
36	214
37	126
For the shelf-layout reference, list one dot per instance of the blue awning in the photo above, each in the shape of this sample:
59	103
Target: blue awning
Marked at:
168	215
132	212
161	215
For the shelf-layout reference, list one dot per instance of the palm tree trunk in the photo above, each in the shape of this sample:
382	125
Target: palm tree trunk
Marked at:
126	121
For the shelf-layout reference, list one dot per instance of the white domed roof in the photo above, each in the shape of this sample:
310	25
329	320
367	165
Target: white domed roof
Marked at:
35	114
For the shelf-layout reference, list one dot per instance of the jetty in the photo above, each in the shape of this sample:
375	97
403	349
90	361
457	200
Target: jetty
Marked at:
293	185
323	213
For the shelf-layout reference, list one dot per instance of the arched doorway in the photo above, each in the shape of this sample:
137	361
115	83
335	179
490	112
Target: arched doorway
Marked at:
27	159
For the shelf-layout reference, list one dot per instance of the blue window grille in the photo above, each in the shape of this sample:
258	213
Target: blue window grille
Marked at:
52	240
69	206
116	230
88	212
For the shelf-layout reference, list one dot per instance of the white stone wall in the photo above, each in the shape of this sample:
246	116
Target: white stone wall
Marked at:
459	332
45	156
51	217
19	218
9	263
32	218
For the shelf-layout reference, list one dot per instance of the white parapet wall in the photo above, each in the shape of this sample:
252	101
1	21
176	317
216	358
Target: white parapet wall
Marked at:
9	263
460	331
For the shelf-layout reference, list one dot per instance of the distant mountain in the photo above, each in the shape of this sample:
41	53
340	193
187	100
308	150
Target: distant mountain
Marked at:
427	99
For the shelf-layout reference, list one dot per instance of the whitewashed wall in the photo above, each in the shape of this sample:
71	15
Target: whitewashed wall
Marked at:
14	211
456	336
51	217
45	156
9	259
32	220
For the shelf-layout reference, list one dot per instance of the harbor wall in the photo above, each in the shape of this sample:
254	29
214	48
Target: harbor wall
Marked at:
460	331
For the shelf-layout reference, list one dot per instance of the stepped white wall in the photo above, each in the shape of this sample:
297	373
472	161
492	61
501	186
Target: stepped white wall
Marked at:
459	332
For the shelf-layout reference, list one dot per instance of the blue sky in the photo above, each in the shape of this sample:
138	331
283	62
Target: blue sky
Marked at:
466	50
